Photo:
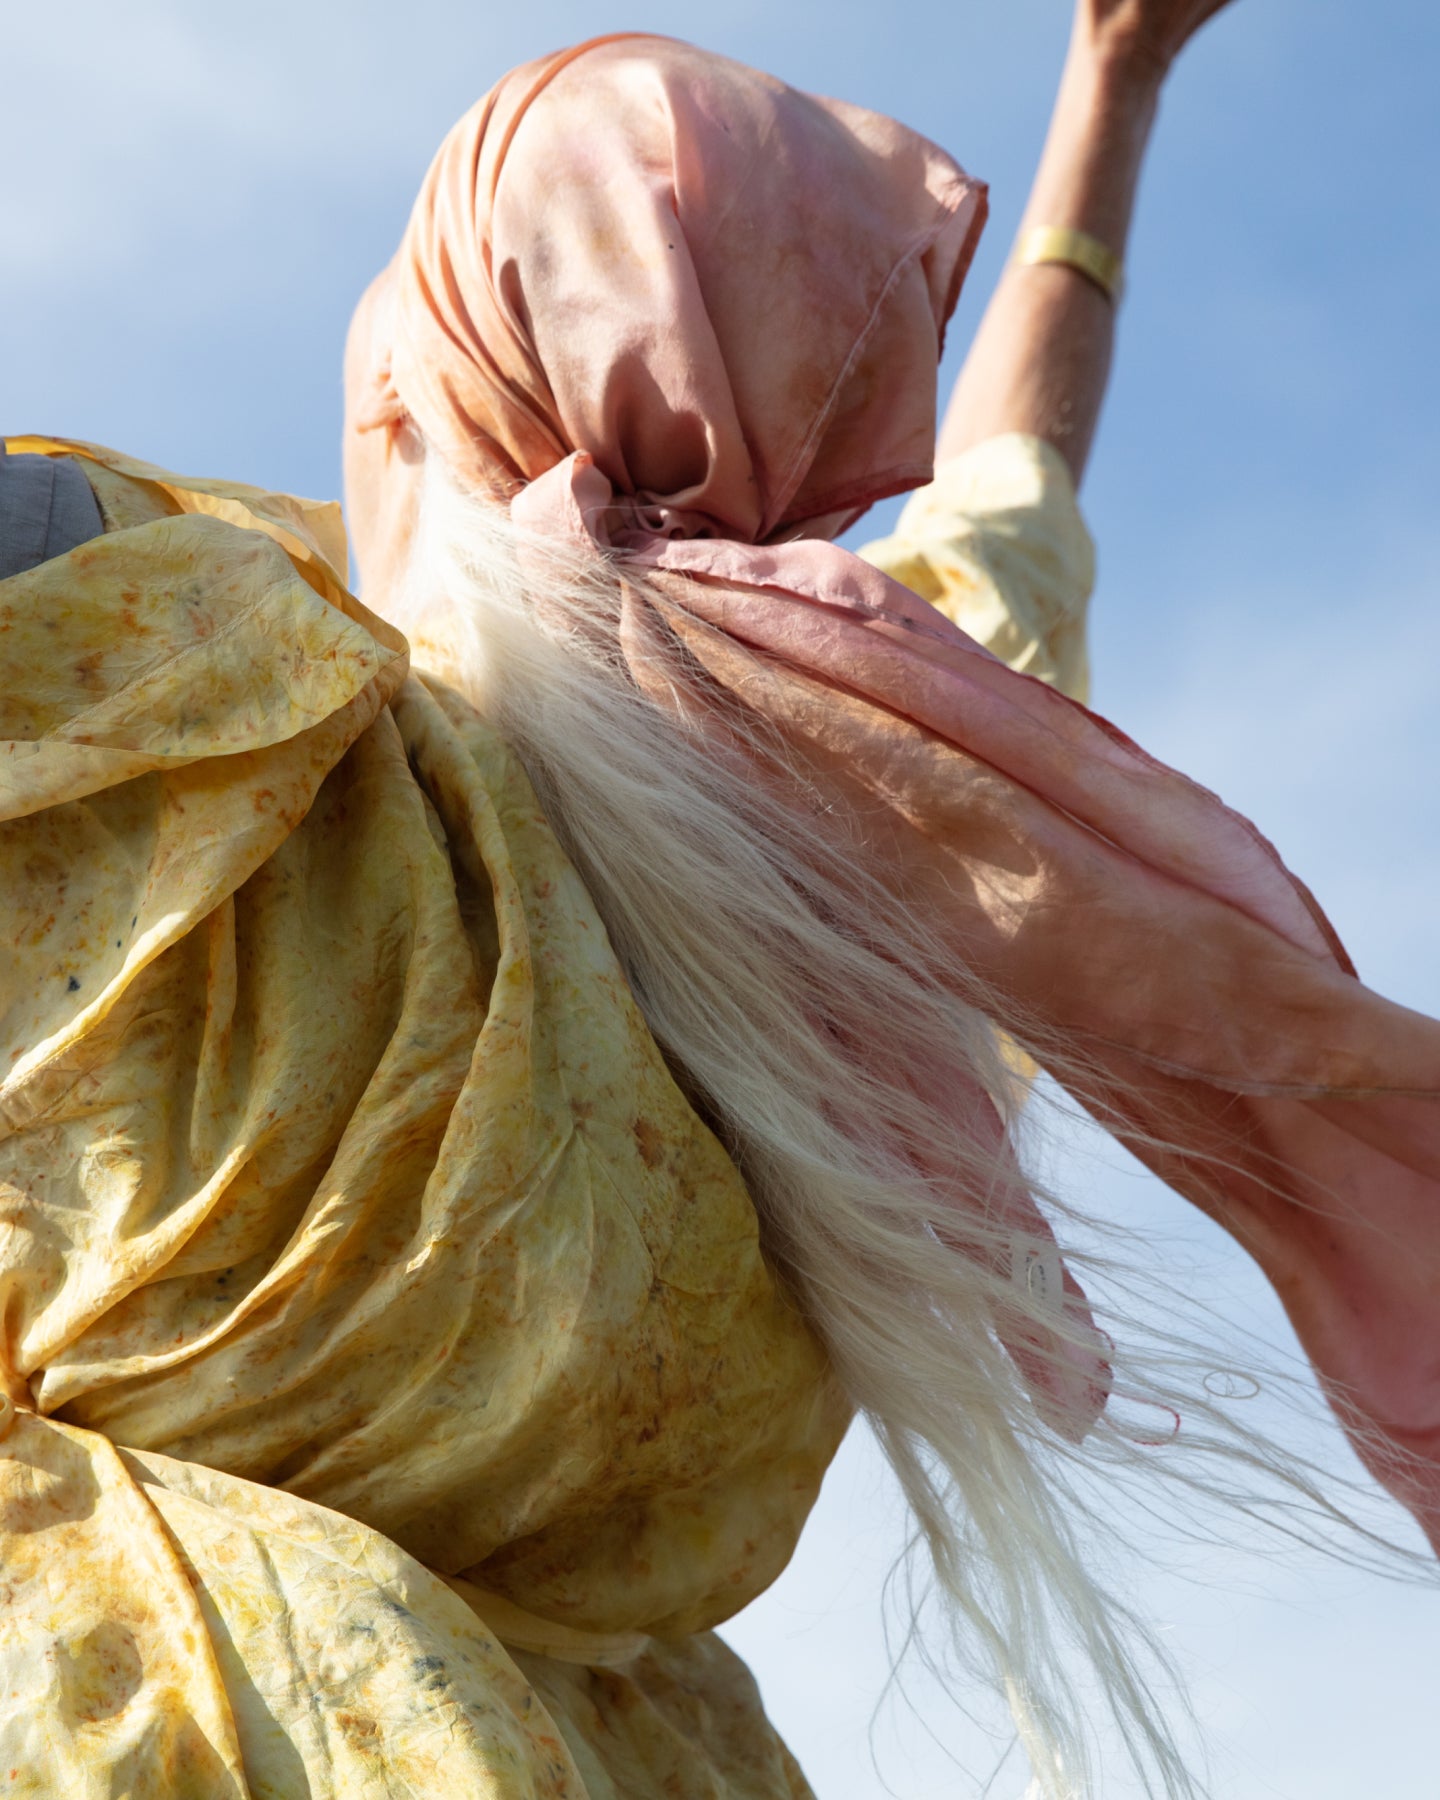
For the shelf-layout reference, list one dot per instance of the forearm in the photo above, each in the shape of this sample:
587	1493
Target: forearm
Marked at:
1041	358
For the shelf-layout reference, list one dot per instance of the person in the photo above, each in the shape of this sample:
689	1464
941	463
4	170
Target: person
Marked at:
475	1133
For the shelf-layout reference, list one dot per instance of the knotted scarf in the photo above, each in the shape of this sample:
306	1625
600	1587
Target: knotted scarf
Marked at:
689	319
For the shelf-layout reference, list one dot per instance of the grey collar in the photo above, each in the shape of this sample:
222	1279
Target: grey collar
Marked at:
47	507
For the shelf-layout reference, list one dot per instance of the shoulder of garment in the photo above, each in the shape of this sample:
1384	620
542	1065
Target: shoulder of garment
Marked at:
206	641
208	620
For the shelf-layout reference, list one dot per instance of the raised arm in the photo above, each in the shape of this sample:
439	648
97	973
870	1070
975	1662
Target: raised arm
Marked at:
1041	359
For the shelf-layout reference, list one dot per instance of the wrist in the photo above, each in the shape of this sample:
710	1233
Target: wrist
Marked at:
1118	75
1094	151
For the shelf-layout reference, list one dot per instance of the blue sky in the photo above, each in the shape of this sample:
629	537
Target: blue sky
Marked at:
193	199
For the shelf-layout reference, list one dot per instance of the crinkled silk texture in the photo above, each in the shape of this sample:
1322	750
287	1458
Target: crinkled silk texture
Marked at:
354	1232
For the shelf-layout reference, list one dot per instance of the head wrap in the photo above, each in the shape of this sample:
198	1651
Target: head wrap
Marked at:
731	296
683	315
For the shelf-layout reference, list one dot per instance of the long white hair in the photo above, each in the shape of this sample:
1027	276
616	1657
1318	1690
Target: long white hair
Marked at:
812	1017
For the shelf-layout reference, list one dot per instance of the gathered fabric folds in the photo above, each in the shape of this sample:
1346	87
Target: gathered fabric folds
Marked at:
393	1391
372	1294
601	274
1109	902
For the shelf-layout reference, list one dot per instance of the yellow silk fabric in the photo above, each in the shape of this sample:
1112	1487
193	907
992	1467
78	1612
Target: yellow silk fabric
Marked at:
997	543
352	1223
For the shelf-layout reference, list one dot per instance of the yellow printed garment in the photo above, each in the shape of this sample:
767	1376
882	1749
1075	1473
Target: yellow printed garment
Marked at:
395	1392
997	543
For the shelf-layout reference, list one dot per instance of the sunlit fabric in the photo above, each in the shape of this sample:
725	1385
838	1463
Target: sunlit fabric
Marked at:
353	1223
996	544
619	251
1109	902
592	371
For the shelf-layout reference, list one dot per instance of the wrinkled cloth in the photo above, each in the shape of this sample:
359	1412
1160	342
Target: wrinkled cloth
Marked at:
997	545
530	331
1107	900
371	1293
620	250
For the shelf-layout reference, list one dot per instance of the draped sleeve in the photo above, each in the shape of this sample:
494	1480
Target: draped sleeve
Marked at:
996	543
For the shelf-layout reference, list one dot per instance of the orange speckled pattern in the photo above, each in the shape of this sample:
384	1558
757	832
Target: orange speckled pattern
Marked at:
352	1222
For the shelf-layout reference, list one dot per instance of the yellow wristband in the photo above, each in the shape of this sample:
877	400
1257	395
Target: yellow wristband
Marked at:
1077	250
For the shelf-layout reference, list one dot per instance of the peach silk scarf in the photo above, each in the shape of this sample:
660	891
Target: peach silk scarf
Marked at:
690	318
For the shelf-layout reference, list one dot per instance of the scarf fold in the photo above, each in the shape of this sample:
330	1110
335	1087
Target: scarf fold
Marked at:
688	320
1110	900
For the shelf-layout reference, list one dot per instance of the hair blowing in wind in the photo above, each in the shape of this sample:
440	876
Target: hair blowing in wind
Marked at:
851	1066
603	428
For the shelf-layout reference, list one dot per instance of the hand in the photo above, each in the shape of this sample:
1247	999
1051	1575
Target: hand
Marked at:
1041	358
1142	37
